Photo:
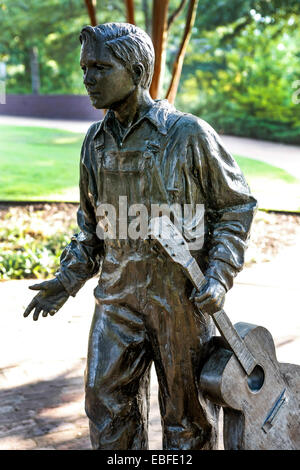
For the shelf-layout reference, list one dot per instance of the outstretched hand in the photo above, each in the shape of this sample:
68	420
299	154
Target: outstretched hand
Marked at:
211	297
49	300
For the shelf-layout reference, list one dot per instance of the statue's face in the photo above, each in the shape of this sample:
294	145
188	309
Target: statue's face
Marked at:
106	79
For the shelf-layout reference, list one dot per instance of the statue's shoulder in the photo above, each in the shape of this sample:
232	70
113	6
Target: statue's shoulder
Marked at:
190	125
177	122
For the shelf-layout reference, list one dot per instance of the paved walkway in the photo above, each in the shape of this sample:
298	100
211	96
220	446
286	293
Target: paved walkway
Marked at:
42	363
281	155
74	126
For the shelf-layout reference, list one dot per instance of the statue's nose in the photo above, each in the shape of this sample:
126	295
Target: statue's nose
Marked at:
89	78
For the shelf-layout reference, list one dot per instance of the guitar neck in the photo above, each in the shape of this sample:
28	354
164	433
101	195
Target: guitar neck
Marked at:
222	322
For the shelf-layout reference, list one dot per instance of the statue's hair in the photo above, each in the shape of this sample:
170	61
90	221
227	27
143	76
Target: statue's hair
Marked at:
130	44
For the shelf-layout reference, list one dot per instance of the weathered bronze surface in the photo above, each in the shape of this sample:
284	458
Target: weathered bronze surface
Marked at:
148	153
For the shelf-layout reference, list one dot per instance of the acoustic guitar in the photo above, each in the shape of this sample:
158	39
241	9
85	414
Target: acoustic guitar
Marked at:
260	396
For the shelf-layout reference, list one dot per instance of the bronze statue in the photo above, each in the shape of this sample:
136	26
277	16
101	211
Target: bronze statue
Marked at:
147	153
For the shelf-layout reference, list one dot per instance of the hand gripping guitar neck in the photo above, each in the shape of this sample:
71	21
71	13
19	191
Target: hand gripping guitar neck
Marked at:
173	243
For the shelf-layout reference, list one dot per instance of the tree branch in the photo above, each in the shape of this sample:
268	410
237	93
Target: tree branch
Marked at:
177	66
239	27
175	13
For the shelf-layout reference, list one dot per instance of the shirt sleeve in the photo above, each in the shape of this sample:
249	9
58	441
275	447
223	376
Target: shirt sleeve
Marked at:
81	259
230	206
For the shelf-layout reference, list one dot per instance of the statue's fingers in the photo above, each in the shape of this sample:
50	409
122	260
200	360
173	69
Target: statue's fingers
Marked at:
45	313
52	312
37	312
29	308
40	286
200	298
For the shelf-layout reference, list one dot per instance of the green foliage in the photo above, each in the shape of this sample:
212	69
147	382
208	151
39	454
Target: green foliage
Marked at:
53	27
246	87
30	248
211	15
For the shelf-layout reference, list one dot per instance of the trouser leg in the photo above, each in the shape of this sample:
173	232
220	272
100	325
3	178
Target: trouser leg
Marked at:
117	379
180	339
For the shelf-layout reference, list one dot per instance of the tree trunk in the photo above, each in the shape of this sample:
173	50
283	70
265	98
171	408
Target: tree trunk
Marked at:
129	11
177	66
91	8
35	73
159	38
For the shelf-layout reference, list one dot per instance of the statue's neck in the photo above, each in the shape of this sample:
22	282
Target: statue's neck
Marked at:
133	107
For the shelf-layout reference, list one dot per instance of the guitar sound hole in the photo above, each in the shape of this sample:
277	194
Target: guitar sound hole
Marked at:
256	379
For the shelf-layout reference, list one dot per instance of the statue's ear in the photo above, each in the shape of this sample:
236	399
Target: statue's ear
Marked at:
138	71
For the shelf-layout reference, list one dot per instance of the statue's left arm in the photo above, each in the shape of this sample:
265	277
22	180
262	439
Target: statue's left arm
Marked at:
230	209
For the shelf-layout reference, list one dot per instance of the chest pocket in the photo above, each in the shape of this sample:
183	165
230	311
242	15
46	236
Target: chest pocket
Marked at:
124	173
128	161
133	173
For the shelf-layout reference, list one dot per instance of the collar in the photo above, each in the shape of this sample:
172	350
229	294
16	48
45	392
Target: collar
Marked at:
158	115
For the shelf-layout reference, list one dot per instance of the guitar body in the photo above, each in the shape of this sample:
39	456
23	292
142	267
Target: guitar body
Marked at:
262	411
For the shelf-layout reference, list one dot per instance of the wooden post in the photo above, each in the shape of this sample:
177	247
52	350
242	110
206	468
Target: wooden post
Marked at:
35	72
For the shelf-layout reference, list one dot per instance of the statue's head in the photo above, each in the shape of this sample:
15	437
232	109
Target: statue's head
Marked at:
115	58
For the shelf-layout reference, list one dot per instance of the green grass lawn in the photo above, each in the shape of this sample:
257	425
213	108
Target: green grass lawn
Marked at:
274	188
37	163
40	164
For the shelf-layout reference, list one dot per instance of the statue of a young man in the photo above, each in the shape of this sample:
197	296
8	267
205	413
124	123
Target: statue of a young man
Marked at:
150	153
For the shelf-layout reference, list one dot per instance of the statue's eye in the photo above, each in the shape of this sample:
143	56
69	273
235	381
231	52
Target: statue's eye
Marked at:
100	67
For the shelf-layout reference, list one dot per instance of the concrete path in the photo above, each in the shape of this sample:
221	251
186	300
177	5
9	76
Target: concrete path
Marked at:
73	126
281	155
42	363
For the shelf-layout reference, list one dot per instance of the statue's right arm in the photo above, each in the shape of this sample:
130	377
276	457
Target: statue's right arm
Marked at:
81	259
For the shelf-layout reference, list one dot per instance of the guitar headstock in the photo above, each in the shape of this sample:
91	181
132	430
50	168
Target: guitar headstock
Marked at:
170	239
